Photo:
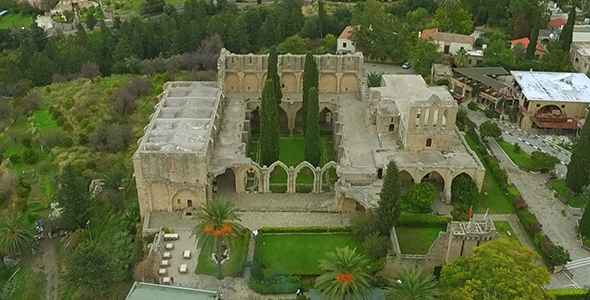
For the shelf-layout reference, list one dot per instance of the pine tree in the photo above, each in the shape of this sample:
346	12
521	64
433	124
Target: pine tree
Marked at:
578	170
313	150
585	223
310	79
272	74
74	198
388	210
269	125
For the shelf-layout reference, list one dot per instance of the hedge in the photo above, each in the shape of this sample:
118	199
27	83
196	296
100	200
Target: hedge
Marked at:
310	229
410	220
527	219
278	285
569	293
244	249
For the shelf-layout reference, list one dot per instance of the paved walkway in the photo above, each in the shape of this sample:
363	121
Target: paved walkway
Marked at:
517	229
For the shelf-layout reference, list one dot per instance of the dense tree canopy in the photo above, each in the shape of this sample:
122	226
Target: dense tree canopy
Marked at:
499	269
389	199
74	198
578	170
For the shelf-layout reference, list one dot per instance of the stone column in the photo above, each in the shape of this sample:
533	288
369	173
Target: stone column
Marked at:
338	81
240	179
241	81
447	191
291	184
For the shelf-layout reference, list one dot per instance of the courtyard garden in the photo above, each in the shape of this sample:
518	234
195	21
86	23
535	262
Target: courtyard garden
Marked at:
416	233
563	191
517	155
292	154
232	267
503	227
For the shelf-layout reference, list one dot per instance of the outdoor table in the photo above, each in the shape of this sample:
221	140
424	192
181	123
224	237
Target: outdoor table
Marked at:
183	268
167	255
187	254
163	271
169	246
166	280
165	263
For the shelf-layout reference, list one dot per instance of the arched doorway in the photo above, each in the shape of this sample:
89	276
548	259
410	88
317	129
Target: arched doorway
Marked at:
289	83
327	83
251	83
428	143
351	205
278	178
349	83
436	179
405	179
326	120
232	82
180	200
299	120
189	203
549	111
255	121
252	180
464	190
329	178
391	128
304	179
225	183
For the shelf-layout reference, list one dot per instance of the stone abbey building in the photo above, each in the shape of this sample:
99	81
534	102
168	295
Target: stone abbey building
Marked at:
198	139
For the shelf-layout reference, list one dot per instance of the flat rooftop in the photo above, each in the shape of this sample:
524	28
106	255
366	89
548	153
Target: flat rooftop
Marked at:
183	118
148	291
554	86
405	89
484	75
583	48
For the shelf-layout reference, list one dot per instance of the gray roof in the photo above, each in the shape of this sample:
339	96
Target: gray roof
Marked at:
482	75
148	291
374	294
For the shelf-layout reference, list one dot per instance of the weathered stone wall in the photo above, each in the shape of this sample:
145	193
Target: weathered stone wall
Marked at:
431	126
247	73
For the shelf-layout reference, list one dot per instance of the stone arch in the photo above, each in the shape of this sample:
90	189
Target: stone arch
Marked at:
352	205
445	118
549	110
289	83
232	82
181	199
306	182
429	143
225	183
252	176
436	179
391	127
349	83
251	83
326	119
462	175
278	180
328	83
406	179
329	177
299	120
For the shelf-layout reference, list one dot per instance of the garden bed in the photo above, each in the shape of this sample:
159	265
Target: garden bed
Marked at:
233	267
562	191
417	240
520	158
299	253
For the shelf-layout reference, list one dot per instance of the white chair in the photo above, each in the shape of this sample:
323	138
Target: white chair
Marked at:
183	268
186	254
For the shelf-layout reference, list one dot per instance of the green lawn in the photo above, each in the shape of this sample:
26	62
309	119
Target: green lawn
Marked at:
15	20
492	196
563	191
43	121
238	256
416	240
298	254
502	227
520	158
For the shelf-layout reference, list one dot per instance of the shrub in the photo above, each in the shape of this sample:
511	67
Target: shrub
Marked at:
489	113
26	141
60	121
513	193
374	79
568	294
527	219
67	142
56	114
517	148
67	126
365	224
490	129
30	156
376	246
279	285
419	198
558	255
472	106
268	274
460	213
51	138
22	192
15	158
544	161
165	229
111	138
520	204
82	139
411	220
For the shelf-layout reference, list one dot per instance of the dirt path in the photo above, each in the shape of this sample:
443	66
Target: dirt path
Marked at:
46	262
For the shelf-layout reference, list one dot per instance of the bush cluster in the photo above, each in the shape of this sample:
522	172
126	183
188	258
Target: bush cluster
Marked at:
277	285
410	220
311	229
568	293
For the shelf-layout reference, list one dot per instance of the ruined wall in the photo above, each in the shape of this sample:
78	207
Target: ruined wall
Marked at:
338	74
431	125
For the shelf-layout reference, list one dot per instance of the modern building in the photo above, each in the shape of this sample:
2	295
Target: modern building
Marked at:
551	100
345	45
489	86
449	42
580	55
539	51
197	143
148	291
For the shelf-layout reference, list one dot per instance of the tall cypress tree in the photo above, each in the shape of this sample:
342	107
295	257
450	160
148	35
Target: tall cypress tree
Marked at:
568	30
313	151
585	223
269	125
273	74
578	170
74	198
532	47
322	17
310	79
388	211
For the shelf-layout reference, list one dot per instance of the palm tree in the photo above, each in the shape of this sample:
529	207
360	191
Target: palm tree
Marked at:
449	5
461	58
411	285
217	226
343	274
15	236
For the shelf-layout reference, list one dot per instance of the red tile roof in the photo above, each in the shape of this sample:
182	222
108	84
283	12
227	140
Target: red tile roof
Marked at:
557	22
525	42
447	36
347	32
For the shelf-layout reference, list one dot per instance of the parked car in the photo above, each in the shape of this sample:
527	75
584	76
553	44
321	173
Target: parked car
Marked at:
406	65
